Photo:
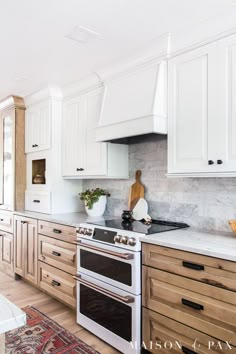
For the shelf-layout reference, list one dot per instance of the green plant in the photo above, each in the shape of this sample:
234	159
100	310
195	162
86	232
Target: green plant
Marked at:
91	196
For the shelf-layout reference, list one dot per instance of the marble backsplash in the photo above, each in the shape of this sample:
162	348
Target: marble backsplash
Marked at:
205	203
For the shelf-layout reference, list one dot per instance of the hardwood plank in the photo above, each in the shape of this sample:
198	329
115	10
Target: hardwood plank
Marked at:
23	294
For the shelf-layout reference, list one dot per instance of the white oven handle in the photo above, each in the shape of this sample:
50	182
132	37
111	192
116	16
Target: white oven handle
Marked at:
115	254
126	299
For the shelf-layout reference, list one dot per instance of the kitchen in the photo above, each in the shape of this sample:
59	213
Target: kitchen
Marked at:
117	163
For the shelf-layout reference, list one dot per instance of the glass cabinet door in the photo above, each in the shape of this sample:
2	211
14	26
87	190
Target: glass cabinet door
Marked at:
7	170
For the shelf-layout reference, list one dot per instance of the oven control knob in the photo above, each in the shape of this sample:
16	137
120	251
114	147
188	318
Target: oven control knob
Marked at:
124	240
132	241
117	238
88	232
81	230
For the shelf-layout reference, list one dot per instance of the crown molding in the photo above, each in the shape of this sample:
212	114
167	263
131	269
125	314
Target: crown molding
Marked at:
84	85
12	102
50	92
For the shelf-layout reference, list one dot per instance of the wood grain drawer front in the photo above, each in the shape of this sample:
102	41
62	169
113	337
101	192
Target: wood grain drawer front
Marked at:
163	333
213	271
182	299
58	231
57	253
57	283
6	221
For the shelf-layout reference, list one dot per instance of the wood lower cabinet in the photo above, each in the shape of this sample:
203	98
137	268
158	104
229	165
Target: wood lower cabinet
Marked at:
57	283
45	255
194	298
6	253
59	254
25	239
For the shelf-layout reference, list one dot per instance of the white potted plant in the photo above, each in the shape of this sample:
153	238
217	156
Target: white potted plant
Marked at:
95	201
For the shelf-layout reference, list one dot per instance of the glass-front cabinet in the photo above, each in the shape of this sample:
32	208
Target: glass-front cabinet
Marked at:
12	156
7	159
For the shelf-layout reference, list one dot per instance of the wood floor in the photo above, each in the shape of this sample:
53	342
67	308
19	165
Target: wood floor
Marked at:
23	294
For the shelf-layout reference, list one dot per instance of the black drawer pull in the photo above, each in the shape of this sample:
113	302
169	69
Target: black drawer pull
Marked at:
192	304
1	219
80	169
36	201
55	283
56	253
188	351
193	265
56	231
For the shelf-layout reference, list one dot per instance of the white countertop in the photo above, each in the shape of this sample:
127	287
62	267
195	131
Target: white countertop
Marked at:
11	316
70	219
214	244
211	244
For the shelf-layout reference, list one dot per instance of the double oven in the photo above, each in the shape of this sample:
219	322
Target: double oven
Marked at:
109	285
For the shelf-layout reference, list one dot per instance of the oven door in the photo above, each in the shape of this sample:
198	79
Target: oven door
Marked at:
110	313
115	266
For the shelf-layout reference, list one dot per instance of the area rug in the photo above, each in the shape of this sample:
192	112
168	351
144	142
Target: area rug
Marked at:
41	335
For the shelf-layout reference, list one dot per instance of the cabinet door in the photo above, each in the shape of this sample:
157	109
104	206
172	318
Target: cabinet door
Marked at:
6	253
7	159
73	137
20	228
192	103
38	127
228	133
25	238
96	153
30	249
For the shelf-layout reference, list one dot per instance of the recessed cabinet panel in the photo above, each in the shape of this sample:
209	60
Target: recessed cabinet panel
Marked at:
38	127
6	252
73	138
188	112
96	153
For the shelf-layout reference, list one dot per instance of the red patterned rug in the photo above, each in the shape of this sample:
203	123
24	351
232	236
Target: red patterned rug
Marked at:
42	335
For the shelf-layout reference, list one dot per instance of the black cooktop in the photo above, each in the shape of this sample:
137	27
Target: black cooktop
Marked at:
140	227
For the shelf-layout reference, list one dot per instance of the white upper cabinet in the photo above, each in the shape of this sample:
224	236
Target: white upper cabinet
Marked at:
82	156
201	111
38	127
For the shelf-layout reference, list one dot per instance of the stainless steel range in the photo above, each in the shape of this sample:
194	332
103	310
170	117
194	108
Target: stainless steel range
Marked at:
109	279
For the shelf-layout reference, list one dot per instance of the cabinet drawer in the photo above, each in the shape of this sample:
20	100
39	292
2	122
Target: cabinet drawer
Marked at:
58	231
57	253
6	221
57	283
209	270
38	202
160	334
200	306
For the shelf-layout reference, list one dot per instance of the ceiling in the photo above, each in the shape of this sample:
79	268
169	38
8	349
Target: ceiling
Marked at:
35	51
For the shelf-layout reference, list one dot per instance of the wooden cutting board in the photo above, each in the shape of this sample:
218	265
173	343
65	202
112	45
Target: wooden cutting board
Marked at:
136	191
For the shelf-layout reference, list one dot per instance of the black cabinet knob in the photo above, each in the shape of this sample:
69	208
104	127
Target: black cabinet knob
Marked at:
80	169
210	162
219	162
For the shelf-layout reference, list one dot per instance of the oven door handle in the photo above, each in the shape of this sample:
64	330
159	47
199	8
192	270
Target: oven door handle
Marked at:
126	299
116	254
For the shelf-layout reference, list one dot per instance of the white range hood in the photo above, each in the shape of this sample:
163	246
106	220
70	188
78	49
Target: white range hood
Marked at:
134	103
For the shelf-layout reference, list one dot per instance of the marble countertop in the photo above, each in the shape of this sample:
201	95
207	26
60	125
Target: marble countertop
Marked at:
214	244
219	245
70	219
11	316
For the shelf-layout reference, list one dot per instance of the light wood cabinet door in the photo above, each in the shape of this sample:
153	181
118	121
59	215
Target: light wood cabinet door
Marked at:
38	127
6	253
25	237
30	248
19	230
